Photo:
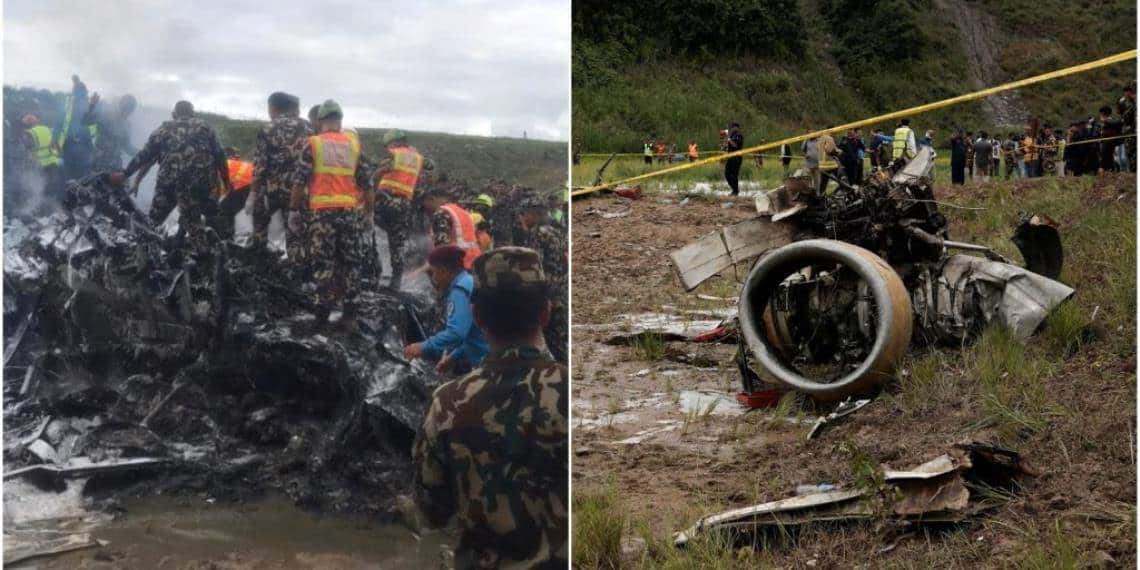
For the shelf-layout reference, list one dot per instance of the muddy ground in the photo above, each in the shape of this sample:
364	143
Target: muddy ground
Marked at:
656	462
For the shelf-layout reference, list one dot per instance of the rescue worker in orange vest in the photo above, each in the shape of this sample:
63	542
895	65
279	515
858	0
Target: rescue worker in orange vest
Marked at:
397	179
693	153
340	198
451	224
231	202
480	209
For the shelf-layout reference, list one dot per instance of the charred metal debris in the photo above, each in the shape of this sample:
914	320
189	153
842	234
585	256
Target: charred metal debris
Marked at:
843	283
136	360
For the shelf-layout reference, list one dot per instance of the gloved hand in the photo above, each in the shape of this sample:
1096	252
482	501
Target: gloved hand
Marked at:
295	221
248	208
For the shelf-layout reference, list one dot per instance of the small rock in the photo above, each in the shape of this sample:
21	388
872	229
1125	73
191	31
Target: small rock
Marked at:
811	563
583	451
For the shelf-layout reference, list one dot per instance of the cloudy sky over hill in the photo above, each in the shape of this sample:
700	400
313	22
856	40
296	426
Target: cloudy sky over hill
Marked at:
460	66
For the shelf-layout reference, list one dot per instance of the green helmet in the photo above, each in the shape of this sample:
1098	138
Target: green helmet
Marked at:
394	135
328	109
485	200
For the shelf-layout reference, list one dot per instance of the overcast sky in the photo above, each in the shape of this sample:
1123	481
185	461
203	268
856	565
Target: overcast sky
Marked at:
459	66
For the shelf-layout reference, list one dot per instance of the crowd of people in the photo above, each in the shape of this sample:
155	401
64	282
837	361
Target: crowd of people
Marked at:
1091	145
497	258
328	189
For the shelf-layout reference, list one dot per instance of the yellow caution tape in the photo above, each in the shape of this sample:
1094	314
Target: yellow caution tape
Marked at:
1111	60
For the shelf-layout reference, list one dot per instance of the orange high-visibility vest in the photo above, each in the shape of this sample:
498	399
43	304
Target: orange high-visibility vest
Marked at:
407	163
486	242
463	233
335	156
693	150
241	173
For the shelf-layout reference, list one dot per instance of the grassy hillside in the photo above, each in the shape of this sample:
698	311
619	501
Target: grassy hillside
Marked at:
815	63
539	164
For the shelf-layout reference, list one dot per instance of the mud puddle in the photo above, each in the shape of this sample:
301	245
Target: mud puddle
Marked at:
191	532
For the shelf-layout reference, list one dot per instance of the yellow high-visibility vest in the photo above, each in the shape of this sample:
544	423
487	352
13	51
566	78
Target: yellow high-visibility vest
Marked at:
898	147
45	152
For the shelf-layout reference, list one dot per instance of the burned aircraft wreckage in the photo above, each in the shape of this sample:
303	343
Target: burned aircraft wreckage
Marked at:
843	283
128	359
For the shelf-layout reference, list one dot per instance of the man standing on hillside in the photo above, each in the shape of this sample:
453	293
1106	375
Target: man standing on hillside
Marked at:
275	158
969	142
71	136
958	158
38	144
397	178
647	151
329	178
549	241
983	153
1110	128
492	449
1127	105
852	147
903	145
1009	156
451	224
190	161
733	143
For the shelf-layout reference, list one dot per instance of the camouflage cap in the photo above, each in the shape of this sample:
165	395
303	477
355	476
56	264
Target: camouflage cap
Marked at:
508	269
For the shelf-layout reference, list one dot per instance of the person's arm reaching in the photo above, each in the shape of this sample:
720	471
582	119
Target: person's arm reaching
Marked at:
459	323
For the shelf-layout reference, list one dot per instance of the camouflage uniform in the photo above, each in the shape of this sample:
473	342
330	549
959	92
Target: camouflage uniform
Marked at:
274	160
336	239
493	447
190	161
550	243
504	214
441	228
112	139
393	214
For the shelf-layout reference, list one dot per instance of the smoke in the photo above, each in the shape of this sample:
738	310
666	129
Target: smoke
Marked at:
33	185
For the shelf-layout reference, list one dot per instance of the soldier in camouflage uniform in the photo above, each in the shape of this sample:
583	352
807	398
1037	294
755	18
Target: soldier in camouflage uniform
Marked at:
339	205
394	209
492	451
548	239
503	216
442	229
274	162
190	162
112	132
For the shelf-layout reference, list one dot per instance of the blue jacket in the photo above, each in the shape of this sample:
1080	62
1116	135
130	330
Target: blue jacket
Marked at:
459	337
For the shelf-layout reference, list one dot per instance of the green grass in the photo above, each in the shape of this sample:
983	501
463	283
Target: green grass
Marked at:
598	528
649	346
619	101
474	160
